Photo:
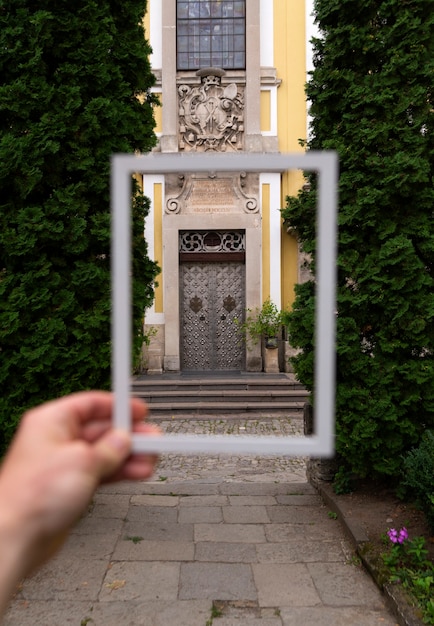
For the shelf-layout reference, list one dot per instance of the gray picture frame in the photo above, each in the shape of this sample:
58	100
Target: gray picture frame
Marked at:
123	166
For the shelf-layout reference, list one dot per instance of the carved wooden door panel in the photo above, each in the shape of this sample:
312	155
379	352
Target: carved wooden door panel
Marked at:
212	296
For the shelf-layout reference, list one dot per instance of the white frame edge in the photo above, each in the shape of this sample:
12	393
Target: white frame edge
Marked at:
321	444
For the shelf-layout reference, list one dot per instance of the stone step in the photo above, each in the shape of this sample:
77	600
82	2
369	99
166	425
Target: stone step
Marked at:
214	393
210	408
171	382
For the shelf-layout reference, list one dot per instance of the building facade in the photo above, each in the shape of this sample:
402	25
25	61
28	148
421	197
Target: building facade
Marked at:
230	78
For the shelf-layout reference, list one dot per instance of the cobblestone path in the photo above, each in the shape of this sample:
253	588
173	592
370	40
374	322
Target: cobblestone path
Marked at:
173	467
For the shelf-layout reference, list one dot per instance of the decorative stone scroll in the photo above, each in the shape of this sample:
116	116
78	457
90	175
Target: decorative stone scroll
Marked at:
200	194
211	117
212	241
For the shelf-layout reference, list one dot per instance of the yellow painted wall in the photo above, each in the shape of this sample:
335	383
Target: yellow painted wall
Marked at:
290	61
265	110
147	23
158	114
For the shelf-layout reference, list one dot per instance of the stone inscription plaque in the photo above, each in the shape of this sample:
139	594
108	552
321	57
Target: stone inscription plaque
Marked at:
211	196
198	195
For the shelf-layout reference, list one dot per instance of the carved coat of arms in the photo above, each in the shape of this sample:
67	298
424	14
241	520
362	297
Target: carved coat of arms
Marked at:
210	115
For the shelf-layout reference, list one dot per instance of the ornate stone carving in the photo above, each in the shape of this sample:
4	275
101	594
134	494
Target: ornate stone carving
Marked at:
201	193
212	241
211	116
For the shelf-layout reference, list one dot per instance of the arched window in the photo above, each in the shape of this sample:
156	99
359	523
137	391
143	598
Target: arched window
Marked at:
211	33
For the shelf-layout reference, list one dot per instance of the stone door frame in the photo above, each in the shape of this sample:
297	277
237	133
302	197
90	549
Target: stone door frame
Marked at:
173	224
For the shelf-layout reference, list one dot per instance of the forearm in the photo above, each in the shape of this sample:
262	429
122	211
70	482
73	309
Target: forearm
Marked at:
61	452
14	554
24	544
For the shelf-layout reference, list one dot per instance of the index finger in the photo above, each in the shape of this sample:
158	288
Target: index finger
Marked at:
99	405
64	417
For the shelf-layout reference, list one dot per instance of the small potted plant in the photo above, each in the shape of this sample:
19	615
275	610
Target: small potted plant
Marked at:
264	324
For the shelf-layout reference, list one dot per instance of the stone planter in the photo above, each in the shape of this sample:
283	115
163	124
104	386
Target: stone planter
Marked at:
152	354
271	360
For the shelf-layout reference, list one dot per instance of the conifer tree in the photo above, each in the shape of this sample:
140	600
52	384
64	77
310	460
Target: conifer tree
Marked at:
372	100
74	89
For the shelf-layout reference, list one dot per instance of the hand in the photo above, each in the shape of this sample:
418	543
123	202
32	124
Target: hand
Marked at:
60	454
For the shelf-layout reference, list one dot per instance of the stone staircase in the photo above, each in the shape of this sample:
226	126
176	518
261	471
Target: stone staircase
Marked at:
220	392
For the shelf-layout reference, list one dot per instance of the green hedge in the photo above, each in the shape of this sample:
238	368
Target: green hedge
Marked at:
372	102
71	76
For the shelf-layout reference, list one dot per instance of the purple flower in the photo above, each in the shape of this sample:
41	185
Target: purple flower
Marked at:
397	537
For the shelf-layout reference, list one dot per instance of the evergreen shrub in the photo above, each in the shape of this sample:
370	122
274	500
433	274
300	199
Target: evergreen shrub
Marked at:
74	89
417	482
371	94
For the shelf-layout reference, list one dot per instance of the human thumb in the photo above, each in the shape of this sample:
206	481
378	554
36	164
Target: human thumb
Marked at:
111	450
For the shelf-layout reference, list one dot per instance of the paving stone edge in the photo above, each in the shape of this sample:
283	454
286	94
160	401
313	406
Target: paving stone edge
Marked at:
395	596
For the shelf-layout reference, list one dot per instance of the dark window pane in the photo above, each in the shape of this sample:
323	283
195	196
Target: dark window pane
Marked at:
238	42
209	26
182	10
194	9
183	44
228	9
182	61
204	9
192	26
204	44
183	29
239	27
227	28
239	9
216	9
239	59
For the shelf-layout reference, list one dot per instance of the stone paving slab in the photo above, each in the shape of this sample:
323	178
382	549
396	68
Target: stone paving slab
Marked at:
200	514
152	515
305	533
298	551
159	532
225	581
152	613
135	548
96	546
155	500
229	533
70	578
225	552
284	584
250	501
251	538
140	580
201	501
246	515
236	621
342	584
351	616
